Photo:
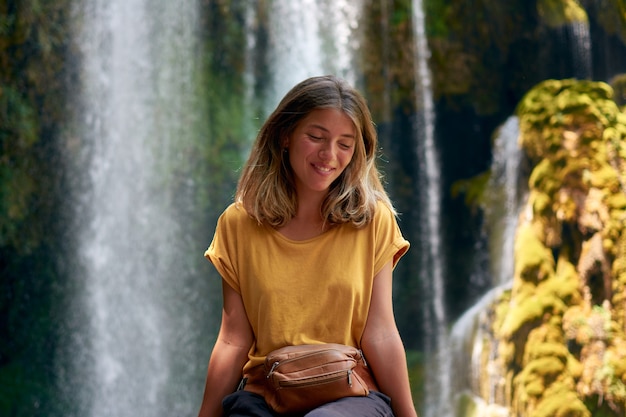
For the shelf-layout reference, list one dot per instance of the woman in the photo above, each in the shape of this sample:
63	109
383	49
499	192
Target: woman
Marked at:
306	254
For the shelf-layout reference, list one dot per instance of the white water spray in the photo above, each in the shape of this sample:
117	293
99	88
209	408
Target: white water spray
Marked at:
137	71
311	38
437	389
505	195
504	198
581	49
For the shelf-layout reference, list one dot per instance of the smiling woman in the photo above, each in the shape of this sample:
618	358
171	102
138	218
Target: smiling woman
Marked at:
310	215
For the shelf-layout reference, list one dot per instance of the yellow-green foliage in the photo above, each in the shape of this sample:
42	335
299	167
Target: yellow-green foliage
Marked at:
558	13
33	73
533	261
544	178
612	17
619	279
538	374
619	86
466	406
559	401
473	188
526	310
562	342
566	281
545	370
617	201
555	104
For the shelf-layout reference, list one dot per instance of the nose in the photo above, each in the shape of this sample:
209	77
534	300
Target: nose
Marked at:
326	151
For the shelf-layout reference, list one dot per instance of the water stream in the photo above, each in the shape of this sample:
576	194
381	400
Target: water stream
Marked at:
310	38
429	190
580	44
136	73
505	193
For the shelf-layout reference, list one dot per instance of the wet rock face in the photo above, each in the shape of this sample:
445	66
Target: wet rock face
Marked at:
561	329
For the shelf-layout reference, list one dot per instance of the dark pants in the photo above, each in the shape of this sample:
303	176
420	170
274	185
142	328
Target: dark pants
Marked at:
248	404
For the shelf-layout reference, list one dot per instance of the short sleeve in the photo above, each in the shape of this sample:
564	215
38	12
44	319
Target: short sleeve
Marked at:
390	244
222	250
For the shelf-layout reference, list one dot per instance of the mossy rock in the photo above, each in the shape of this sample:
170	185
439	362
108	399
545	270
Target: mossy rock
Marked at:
533	261
561	404
562	331
618	83
557	13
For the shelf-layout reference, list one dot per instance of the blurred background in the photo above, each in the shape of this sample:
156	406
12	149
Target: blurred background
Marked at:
123	126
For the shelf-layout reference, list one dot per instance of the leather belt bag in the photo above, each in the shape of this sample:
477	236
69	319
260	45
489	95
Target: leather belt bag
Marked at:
296	379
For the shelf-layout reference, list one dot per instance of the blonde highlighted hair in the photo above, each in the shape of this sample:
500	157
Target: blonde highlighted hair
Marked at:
266	187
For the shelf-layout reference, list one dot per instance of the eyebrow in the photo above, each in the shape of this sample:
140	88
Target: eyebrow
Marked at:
345	135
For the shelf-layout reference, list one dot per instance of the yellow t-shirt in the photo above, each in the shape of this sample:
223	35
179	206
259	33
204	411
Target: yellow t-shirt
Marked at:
303	292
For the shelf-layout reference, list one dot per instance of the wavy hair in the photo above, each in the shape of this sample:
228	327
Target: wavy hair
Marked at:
266	187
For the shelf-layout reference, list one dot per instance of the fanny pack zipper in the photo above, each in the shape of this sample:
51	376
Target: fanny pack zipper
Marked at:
347	375
277	363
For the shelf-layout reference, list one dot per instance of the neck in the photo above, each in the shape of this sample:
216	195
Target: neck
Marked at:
308	221
309	207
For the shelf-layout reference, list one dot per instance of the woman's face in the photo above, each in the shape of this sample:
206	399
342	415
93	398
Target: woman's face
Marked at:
320	148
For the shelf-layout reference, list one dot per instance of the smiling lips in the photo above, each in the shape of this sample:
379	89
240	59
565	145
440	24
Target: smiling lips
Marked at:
323	169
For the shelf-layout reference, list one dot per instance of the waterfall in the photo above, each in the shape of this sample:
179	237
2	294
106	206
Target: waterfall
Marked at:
429	189
581	49
505	194
134	355
504	197
309	38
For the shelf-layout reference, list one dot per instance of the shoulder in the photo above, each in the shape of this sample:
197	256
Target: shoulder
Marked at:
234	213
385	222
384	213
235	219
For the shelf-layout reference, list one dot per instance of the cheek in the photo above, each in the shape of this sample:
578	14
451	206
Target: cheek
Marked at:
347	158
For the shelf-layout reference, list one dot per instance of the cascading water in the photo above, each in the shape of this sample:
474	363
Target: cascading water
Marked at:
133	356
437	388
310	38
504	199
505	195
580	41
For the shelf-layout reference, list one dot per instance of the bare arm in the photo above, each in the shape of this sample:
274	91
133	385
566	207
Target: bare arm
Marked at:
383	348
229	354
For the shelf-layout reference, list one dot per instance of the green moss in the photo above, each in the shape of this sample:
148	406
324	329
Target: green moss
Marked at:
573	134
533	261
538	374
561	404
473	189
558	13
612	18
466	406
552	350
618	83
539	201
617	201
527	310
606	177
544	178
